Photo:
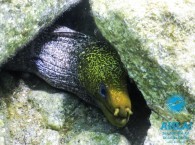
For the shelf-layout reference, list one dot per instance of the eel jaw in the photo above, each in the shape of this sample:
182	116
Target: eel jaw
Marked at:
114	117
127	110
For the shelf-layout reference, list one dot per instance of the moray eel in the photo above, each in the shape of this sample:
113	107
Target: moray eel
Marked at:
82	65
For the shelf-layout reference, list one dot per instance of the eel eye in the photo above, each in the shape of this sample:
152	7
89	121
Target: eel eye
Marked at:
103	91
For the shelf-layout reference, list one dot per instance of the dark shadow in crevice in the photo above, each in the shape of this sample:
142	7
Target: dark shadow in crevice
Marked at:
79	18
138	125
7	83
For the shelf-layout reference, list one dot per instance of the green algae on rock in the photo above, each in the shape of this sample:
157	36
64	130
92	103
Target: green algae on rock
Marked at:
155	40
21	20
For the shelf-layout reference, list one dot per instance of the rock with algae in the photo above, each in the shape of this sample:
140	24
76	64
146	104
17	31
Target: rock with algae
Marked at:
156	42
32	112
20	20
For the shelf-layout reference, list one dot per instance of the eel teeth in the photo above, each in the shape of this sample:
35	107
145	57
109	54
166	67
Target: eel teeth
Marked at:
129	111
116	112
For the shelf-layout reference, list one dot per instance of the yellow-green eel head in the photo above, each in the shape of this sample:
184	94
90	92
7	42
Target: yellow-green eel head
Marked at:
105	79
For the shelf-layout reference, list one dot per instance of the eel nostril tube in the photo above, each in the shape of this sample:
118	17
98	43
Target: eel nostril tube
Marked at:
129	112
116	112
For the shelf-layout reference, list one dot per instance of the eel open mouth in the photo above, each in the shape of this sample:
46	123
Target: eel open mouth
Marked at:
116	117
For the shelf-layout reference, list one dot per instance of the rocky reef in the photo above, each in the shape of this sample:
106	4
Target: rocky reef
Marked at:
22	20
155	40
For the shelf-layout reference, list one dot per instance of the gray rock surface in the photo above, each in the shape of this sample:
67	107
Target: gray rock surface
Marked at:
156	42
21	20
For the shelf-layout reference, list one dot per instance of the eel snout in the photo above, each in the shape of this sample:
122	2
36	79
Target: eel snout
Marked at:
123	112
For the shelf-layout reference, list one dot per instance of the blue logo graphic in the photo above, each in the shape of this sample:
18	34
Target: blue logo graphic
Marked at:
176	132
175	103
